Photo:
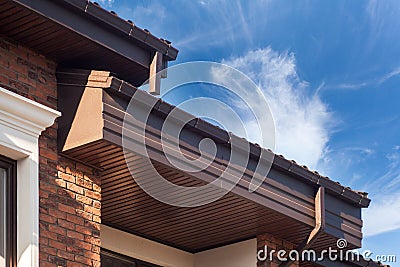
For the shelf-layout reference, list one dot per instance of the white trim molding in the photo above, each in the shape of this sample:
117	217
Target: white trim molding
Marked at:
21	123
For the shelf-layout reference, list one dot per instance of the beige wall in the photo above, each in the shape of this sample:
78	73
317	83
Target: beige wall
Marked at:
241	254
144	249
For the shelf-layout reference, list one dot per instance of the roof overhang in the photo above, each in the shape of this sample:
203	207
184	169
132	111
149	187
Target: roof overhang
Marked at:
81	34
94	105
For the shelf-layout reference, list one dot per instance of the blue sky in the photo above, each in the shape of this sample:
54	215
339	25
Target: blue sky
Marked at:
330	71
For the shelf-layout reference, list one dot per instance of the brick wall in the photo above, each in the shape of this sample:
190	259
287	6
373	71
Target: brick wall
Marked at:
69	197
273	243
70	217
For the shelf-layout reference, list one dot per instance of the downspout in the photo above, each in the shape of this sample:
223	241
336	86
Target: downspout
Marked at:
319	225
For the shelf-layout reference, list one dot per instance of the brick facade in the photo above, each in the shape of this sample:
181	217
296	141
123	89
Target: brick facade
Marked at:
273	243
69	192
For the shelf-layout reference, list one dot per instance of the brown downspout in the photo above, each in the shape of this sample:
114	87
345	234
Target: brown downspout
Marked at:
319	224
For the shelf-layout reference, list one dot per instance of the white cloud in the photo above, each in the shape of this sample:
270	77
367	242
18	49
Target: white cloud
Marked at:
390	75
107	3
363	150
383	215
389	182
150	12
358	85
303	122
228	22
351	86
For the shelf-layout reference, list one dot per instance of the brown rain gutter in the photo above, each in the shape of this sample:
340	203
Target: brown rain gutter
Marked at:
319	225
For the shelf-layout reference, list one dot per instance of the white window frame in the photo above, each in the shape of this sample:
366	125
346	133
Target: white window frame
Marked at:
21	123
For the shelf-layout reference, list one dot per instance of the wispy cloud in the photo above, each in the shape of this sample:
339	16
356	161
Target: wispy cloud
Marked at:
383	216
389	75
363	150
371	82
372	9
303	121
146	14
390	181
107	3
351	86
231	21
151	11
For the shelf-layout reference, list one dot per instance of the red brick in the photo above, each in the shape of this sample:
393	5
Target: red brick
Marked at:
92	210
96	249
96	204
93	195
65	255
65	186
84	245
66	177
83	260
47	153
47	218
57	229
83	230
96	188
75	219
58	213
44	256
66	224
66	208
61	182
84	199
57	245
48	250
75	235
26	80
84	215
84	168
48	235
75	188
48	187
92	255
96	219
92	240
46	264
74	264
84	183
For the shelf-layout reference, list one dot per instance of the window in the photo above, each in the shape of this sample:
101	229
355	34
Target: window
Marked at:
112	259
19	134
8	212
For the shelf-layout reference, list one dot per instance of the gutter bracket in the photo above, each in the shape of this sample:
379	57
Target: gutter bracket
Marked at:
319	225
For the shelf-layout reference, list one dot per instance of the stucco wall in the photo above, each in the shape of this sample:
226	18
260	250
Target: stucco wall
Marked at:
241	254
144	249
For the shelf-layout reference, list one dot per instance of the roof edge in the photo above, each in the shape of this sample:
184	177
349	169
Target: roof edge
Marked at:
117	25
126	27
357	198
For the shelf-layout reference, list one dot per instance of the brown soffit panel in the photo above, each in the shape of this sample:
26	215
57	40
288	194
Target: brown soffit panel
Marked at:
76	14
93	39
288	190
122	90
